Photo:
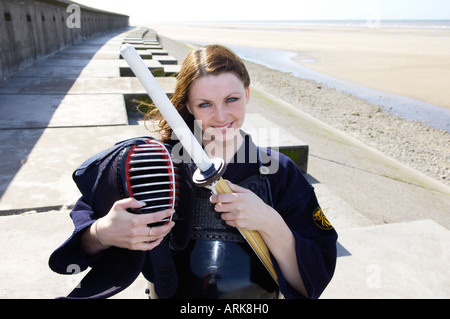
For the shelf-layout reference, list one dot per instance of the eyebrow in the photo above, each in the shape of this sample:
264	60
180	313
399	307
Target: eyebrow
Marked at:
229	95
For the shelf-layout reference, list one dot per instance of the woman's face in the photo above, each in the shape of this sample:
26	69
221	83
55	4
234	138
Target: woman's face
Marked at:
217	103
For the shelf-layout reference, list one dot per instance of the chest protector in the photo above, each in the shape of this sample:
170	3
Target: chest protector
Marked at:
218	262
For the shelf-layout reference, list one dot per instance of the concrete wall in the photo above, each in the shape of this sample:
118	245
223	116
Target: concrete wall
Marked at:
31	29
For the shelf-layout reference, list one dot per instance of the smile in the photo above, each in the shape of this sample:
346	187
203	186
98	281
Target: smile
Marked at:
224	128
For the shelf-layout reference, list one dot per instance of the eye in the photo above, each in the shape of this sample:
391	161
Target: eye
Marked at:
232	99
203	105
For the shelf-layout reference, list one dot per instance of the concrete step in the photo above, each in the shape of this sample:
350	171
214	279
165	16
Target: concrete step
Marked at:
144	54
150	35
150	42
137	33
147	47
157	66
171	70
131	37
166	59
37	164
92	85
133	42
404	260
396	261
157	52
70	110
154	66
105	54
90	133
69	71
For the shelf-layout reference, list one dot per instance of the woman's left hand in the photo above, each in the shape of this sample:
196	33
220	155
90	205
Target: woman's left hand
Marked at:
243	208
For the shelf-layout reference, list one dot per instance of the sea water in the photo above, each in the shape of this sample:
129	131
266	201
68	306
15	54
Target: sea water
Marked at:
405	107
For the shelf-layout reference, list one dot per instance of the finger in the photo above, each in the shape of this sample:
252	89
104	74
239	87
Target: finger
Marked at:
236	188
227	216
222	198
156	232
232	223
149	234
232	219
228	198
147	245
163	215
224	208
126	203
153	244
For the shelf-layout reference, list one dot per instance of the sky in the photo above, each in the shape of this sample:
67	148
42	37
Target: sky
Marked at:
146	11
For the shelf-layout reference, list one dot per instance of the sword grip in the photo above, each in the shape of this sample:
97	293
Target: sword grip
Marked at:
253	238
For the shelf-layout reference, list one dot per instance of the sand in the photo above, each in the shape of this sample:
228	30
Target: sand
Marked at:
409	62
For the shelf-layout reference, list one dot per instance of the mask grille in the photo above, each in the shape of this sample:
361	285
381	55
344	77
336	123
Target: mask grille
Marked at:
149	175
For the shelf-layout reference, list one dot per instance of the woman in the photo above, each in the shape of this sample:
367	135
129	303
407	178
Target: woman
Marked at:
201	254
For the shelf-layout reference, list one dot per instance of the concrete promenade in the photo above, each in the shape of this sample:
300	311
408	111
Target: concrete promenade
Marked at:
73	104
32	29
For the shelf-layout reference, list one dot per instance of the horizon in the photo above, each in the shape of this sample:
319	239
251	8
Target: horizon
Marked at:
307	20
284	10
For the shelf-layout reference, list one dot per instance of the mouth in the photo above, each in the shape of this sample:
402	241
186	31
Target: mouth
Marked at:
224	128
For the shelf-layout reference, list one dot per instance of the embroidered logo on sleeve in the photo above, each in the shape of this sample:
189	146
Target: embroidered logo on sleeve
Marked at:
320	220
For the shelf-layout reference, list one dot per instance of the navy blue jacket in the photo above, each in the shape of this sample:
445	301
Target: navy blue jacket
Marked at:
115	269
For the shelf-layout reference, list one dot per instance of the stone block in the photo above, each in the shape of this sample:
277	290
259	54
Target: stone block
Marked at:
154	66
166	59
147	47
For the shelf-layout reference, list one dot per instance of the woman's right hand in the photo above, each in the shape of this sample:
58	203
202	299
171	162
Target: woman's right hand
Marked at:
122	229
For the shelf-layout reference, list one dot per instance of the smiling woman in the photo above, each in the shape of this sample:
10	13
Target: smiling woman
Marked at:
202	252
212	93
218	105
206	70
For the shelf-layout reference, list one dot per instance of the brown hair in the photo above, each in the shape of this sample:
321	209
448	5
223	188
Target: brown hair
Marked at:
209	60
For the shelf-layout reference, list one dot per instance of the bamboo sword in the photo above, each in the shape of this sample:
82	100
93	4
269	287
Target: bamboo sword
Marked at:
209	171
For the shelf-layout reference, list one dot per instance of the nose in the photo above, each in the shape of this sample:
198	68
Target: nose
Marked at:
220	113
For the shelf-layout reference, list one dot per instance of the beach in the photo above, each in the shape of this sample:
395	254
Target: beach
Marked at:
408	62
413	63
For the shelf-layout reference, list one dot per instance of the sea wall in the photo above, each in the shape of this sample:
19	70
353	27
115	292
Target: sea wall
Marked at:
32	29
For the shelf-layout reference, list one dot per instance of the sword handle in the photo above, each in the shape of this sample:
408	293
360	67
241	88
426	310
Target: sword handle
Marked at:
252	237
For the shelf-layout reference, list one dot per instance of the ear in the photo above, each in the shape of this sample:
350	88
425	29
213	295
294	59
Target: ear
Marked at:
247	95
189	108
